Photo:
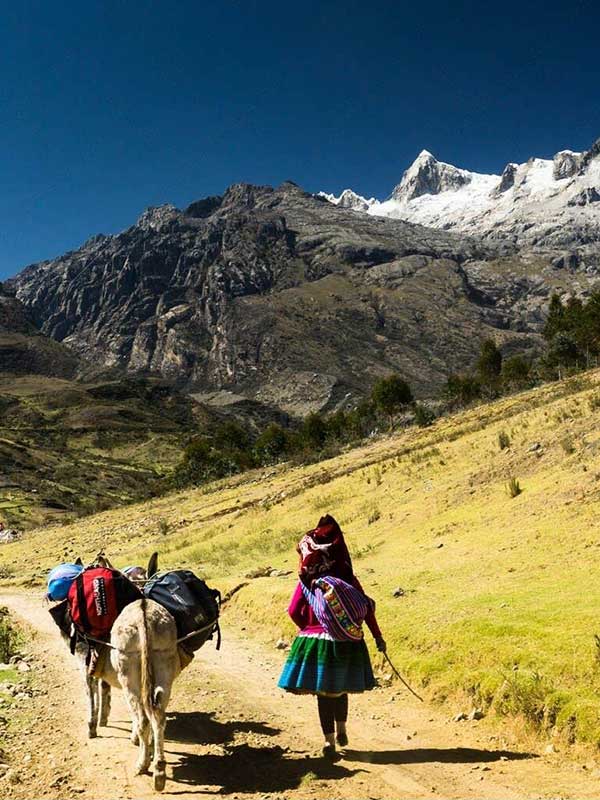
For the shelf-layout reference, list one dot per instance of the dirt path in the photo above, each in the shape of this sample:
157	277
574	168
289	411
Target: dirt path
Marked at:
232	732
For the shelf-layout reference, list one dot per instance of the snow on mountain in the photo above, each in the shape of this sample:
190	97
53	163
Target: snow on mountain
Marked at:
545	202
349	199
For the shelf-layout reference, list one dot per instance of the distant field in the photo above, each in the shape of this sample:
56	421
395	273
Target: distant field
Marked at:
70	448
501	596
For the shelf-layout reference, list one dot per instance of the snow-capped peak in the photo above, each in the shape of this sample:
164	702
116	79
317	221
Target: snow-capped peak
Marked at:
349	199
541	201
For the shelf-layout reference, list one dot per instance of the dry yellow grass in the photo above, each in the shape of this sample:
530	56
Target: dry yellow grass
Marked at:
501	595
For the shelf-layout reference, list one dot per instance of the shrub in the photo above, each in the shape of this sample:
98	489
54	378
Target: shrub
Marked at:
9	638
374	516
516	371
489	363
314	431
272	443
163	526
460	390
513	487
362	419
503	440
390	395
568	445
424	416
231	435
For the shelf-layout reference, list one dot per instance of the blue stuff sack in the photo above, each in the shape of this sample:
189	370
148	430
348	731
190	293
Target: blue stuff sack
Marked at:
60	579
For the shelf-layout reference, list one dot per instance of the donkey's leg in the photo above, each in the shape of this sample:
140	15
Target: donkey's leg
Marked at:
104	702
92	692
145	736
157	720
135	737
129	680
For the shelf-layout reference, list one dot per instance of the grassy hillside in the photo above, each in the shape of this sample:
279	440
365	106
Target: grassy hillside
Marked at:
69	448
501	597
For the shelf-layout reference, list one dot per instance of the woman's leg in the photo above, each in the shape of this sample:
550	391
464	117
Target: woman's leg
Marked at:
341	715
327	706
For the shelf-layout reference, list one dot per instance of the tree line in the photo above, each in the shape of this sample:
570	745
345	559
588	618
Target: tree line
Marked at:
572	337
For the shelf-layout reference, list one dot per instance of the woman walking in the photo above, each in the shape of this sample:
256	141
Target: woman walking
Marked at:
329	657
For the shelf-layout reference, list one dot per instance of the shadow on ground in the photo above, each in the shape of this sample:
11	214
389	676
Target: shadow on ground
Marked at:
201	727
431	755
242	767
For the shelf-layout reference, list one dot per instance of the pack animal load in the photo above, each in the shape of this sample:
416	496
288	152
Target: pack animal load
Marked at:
96	598
60	579
193	605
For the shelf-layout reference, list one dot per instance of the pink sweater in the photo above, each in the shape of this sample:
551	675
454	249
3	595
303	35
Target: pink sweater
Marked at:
303	616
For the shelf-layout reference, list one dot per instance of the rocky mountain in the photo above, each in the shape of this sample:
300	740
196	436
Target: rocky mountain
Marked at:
23	349
281	297
543	203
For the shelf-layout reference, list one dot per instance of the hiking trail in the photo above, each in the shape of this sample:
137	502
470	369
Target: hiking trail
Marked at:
231	732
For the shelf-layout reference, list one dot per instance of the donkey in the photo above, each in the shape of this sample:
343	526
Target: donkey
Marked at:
143	660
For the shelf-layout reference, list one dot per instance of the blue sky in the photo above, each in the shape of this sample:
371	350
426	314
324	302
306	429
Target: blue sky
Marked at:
109	107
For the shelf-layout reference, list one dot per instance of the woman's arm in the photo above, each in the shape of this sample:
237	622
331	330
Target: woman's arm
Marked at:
370	619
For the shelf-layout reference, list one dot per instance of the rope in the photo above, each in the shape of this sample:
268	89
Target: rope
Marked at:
181	638
397	674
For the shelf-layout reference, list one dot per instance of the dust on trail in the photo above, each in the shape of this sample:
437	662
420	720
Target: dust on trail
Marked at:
231	732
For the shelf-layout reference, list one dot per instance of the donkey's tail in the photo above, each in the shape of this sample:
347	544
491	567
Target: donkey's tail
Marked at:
148	693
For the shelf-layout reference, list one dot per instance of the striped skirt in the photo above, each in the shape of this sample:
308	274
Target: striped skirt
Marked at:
319	665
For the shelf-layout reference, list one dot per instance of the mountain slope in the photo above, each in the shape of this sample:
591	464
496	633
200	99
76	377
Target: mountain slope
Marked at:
24	350
500	595
551	203
283	297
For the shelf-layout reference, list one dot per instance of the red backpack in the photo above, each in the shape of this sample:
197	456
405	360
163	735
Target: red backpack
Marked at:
96	598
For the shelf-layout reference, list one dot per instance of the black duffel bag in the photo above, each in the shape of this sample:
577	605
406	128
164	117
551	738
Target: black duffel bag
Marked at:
193	605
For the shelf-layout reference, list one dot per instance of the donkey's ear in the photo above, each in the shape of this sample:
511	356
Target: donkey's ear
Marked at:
152	565
79	562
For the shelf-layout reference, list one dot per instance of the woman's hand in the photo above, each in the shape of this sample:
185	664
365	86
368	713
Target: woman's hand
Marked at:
381	645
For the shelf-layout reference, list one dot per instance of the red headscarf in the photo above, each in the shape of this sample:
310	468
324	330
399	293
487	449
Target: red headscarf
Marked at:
323	551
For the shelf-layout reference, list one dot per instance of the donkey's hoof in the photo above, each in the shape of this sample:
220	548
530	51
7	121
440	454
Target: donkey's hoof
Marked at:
160	779
142	769
92	733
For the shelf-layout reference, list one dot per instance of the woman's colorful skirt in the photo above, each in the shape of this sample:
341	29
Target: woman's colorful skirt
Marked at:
320	665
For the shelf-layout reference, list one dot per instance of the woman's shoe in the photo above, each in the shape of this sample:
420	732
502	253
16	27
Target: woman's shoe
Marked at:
342	739
329	752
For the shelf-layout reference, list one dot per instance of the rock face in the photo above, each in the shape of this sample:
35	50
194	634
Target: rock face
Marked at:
285	298
543	203
24	350
427	175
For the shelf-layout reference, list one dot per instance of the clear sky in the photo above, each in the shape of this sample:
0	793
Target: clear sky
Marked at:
109	107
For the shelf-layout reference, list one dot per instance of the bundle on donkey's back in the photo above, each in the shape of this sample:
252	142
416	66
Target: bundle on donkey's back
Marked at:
128	640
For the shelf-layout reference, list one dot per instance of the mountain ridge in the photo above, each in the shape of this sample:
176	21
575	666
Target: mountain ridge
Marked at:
284	298
539	203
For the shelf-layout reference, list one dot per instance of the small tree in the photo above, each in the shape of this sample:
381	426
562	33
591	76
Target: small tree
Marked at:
516	371
231	436
362	419
391	395
460	390
271	444
555	319
314	431
489	363
424	416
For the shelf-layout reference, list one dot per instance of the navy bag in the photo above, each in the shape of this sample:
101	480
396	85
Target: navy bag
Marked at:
193	605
